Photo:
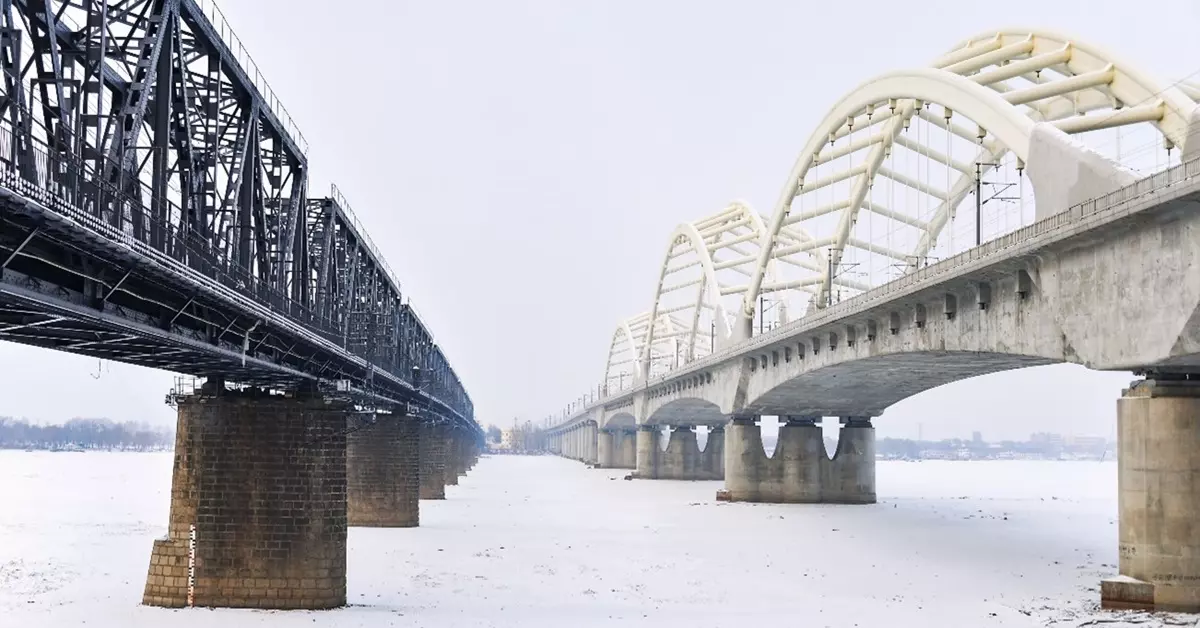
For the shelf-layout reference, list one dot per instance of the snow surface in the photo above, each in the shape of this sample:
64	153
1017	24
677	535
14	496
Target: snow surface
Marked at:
542	541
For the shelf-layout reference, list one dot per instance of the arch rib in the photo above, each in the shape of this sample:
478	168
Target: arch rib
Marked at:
1129	85
985	107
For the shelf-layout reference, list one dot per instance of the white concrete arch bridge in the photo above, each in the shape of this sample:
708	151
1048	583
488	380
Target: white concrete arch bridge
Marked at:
1026	199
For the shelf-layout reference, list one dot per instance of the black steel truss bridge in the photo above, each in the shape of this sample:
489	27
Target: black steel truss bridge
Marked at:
155	210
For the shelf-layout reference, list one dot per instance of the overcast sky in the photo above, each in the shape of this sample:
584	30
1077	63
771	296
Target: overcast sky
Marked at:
522	163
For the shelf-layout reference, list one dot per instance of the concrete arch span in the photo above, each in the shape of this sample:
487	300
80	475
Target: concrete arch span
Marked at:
619	420
868	386
686	411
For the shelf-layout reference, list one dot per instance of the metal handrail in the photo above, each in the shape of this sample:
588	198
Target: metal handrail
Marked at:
221	26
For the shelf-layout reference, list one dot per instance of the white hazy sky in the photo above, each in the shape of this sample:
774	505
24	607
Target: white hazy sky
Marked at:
522	163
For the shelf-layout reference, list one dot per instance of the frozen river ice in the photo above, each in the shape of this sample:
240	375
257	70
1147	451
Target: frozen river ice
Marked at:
542	541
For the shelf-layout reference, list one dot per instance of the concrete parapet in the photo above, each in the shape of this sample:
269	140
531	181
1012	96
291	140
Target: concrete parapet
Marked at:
382	472
799	471
1158	475
260	481
433	460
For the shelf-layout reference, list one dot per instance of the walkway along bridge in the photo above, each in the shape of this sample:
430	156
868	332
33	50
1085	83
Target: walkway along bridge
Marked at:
1028	199
155	210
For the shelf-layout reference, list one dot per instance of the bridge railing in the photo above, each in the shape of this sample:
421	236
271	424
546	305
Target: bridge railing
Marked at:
221	26
125	210
1073	216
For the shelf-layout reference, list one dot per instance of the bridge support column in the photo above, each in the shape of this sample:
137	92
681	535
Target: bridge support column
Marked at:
799	471
628	449
1158	477
591	436
849	478
454	455
712	459
382	472
646	465
433	461
469	453
258	489
681	457
475	451
792	475
604	449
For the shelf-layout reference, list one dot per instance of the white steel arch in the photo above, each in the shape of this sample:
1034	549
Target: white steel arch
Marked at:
1023	51
705	272
622	355
632	340
1103	80
1003	82
1191	89
902	95
973	113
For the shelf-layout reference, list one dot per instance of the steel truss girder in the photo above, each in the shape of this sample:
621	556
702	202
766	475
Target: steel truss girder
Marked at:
135	120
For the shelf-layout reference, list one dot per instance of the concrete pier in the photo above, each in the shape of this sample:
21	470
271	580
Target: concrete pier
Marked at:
454	456
382	471
647	451
625	448
604	449
799	471
682	459
590	438
712	458
849	477
433	460
468	448
1158	475
259	483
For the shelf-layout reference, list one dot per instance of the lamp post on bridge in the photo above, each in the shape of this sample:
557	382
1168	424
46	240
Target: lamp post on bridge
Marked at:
980	202
762	311
842	267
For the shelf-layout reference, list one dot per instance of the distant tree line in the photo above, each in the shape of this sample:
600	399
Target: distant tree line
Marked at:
1048	446
527	438
523	438
85	434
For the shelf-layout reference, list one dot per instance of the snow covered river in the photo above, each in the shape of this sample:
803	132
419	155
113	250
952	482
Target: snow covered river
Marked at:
542	541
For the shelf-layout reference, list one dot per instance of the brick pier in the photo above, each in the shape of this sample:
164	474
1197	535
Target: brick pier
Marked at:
382	469
433	460
262	478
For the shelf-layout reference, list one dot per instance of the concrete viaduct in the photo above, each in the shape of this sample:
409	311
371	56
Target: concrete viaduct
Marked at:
1106	274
